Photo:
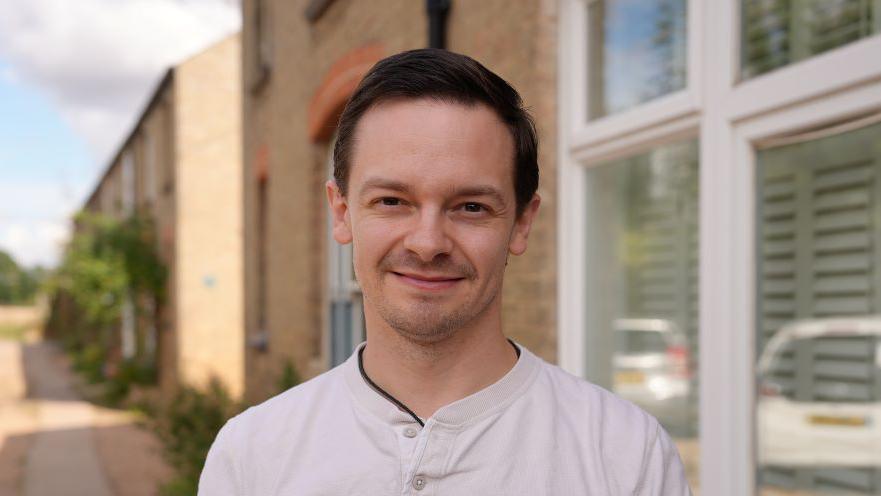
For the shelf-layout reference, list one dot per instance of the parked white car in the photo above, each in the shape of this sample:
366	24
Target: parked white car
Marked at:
652	368
841	425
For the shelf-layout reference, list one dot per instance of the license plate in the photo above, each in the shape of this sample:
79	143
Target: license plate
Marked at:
629	377
839	420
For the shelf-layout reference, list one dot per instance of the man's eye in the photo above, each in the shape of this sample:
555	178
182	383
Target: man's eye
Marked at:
474	208
390	202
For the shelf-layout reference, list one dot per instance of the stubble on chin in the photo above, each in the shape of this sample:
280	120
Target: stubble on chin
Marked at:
422	324
426	321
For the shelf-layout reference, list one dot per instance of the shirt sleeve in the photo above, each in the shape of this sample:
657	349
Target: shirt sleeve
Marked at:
221	475
664	474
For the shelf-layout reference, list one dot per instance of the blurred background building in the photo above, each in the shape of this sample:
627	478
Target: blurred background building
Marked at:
181	168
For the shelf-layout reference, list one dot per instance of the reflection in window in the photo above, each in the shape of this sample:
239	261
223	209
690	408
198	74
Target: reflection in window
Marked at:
775	33
642	286
637	52
818	304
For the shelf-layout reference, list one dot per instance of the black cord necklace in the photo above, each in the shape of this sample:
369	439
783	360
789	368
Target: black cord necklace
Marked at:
391	398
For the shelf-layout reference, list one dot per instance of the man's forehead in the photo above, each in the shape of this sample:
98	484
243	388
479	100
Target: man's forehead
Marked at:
431	139
427	117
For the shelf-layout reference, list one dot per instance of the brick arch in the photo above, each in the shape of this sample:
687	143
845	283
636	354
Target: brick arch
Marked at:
339	83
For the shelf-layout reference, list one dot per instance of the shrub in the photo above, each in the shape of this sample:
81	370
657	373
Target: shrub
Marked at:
14	332
89	361
107	262
130	372
289	377
189	423
187	426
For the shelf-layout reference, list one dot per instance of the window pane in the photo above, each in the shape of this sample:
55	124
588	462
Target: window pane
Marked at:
642	286
775	33
637	52
818	327
341	344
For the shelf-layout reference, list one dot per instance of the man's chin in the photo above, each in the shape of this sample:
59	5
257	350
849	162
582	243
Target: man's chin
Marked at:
423	325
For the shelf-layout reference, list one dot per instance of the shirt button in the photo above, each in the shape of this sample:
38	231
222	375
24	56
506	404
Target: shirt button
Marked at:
410	432
419	483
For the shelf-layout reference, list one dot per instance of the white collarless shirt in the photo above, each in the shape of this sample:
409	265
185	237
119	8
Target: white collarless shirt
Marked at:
536	431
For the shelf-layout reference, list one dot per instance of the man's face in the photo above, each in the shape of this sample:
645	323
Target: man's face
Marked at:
431	211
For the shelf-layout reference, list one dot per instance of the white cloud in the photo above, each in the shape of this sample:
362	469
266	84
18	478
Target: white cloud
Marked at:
98	60
34	243
35	220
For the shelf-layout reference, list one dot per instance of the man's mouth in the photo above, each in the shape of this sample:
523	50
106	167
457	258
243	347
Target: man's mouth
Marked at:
428	281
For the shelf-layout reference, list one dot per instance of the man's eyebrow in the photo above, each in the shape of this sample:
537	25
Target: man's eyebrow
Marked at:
393	185
481	191
380	183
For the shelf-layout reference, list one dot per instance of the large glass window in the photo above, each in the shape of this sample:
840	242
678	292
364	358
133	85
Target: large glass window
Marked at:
775	33
346	313
818	325
346	305
642	308
637	51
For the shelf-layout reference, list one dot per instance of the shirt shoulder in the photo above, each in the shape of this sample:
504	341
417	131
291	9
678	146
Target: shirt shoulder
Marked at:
289	409
249	451
601	408
636	453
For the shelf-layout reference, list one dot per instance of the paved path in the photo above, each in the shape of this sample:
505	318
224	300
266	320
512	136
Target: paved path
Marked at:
52	443
64	444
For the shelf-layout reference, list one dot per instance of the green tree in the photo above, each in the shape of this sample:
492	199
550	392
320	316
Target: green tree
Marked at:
107	262
18	286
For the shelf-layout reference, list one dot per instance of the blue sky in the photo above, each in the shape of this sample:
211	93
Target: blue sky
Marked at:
73	77
45	170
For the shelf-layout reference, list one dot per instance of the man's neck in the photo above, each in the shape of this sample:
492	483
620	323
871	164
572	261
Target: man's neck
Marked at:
427	377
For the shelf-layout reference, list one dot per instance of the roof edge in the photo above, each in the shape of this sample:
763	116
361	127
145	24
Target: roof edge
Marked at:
155	97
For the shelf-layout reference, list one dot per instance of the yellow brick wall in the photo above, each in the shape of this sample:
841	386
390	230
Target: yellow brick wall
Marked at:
208	257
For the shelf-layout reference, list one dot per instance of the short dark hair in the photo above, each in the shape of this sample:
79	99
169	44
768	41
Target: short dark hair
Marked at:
449	77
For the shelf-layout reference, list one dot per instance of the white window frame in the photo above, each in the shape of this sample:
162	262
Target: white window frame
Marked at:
732	119
602	137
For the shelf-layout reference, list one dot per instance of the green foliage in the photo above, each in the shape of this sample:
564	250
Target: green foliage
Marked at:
108	260
189	423
179	486
18	286
14	332
130	373
89	361
187	426
289	377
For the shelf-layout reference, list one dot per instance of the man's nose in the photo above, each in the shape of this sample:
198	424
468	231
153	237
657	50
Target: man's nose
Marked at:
428	237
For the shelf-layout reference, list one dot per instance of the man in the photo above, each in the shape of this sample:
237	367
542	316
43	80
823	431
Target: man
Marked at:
435	174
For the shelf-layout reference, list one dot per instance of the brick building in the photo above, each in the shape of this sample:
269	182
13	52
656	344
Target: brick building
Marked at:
181	167
302	60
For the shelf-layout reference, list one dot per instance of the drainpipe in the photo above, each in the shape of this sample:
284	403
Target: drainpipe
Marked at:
437	11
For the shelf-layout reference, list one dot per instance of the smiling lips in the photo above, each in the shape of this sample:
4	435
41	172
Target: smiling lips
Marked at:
427	282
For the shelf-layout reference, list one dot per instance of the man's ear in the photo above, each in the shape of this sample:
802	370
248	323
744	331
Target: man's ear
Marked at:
517	245
339	213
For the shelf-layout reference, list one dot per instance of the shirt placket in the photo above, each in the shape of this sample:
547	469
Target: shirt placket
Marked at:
408	442
425	469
